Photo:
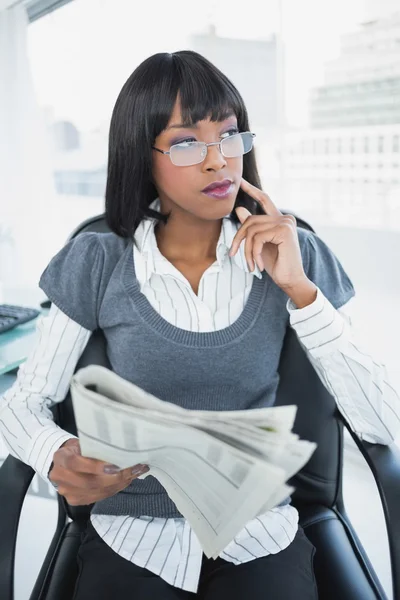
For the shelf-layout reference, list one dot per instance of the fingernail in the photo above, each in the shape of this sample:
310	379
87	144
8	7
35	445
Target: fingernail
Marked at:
111	469
140	469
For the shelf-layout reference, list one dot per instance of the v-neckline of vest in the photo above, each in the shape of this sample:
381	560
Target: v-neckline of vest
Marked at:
221	337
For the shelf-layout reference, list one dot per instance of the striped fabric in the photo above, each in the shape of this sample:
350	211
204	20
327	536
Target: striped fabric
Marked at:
223	289
168	547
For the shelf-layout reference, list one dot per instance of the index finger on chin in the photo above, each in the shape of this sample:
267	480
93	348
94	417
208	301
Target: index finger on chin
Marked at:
261	197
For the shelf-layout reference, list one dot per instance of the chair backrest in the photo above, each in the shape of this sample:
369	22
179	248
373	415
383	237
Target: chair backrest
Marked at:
319	482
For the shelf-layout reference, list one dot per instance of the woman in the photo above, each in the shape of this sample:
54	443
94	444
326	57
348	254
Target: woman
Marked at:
194	289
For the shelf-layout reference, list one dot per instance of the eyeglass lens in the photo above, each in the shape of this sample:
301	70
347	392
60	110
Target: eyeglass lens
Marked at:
192	153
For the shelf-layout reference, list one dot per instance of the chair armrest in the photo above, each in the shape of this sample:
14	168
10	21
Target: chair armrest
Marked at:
384	462
15	479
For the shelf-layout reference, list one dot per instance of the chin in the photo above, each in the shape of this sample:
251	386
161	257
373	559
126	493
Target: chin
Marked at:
221	209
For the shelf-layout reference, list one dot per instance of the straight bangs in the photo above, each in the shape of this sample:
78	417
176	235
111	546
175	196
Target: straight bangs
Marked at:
143	110
204	92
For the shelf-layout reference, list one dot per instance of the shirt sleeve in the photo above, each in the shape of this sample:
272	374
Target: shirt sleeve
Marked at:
324	269
359	382
72	280
26	422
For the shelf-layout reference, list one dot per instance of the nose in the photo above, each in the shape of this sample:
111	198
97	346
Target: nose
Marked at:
214	161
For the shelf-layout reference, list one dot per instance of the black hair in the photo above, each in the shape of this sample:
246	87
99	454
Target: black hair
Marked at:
142	111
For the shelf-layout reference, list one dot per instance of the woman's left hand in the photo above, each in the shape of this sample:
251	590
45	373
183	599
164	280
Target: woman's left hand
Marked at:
271	241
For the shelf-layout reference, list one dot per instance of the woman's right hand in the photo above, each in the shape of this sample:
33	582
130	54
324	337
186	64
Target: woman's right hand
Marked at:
86	480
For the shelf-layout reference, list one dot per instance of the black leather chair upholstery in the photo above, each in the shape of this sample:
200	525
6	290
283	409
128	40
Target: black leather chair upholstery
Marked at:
342	568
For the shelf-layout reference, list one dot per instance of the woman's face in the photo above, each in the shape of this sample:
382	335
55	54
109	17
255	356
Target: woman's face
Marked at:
181	188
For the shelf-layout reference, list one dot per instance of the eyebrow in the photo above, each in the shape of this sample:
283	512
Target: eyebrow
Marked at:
194	125
183	126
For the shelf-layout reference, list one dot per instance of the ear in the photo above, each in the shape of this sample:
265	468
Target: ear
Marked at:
242	213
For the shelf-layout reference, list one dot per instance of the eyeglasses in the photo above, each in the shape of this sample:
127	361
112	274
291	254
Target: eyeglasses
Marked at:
186	154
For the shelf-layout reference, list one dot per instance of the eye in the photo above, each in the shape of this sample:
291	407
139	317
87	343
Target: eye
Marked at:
183	141
230	132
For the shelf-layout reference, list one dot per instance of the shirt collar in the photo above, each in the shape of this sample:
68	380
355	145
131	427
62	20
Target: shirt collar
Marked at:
156	263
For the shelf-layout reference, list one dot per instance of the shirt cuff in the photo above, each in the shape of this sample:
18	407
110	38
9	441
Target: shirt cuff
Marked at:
43	445
319	326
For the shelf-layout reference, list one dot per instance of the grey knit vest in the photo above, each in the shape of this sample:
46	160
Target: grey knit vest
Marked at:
92	279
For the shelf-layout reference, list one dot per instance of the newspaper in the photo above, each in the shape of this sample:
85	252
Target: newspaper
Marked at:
220	468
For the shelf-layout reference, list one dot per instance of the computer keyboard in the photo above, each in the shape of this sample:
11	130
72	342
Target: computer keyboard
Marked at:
12	315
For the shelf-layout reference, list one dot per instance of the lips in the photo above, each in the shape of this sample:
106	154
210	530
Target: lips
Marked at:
217	185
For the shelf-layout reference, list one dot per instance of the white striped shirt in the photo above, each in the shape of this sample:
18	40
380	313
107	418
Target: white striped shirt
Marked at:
168	547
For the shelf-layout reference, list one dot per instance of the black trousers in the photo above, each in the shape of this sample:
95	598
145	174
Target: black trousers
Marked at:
288	575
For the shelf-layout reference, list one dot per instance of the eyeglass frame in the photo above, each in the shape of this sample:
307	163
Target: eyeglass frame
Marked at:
168	152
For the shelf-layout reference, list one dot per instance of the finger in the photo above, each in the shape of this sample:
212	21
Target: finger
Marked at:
136	470
258	246
240	235
242	232
259	237
80	464
243	214
77	497
69	459
261	197
248	252
66	479
250	232
72	482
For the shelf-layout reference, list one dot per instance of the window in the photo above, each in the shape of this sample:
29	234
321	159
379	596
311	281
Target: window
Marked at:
314	146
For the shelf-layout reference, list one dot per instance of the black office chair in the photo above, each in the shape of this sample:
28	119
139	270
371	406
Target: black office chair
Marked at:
342	568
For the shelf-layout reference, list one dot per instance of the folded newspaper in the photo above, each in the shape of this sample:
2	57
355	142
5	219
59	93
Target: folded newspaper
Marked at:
221	468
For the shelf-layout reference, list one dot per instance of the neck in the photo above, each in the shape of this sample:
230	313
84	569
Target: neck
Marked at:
187	238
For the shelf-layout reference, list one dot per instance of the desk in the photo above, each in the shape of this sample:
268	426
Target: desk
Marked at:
16	344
